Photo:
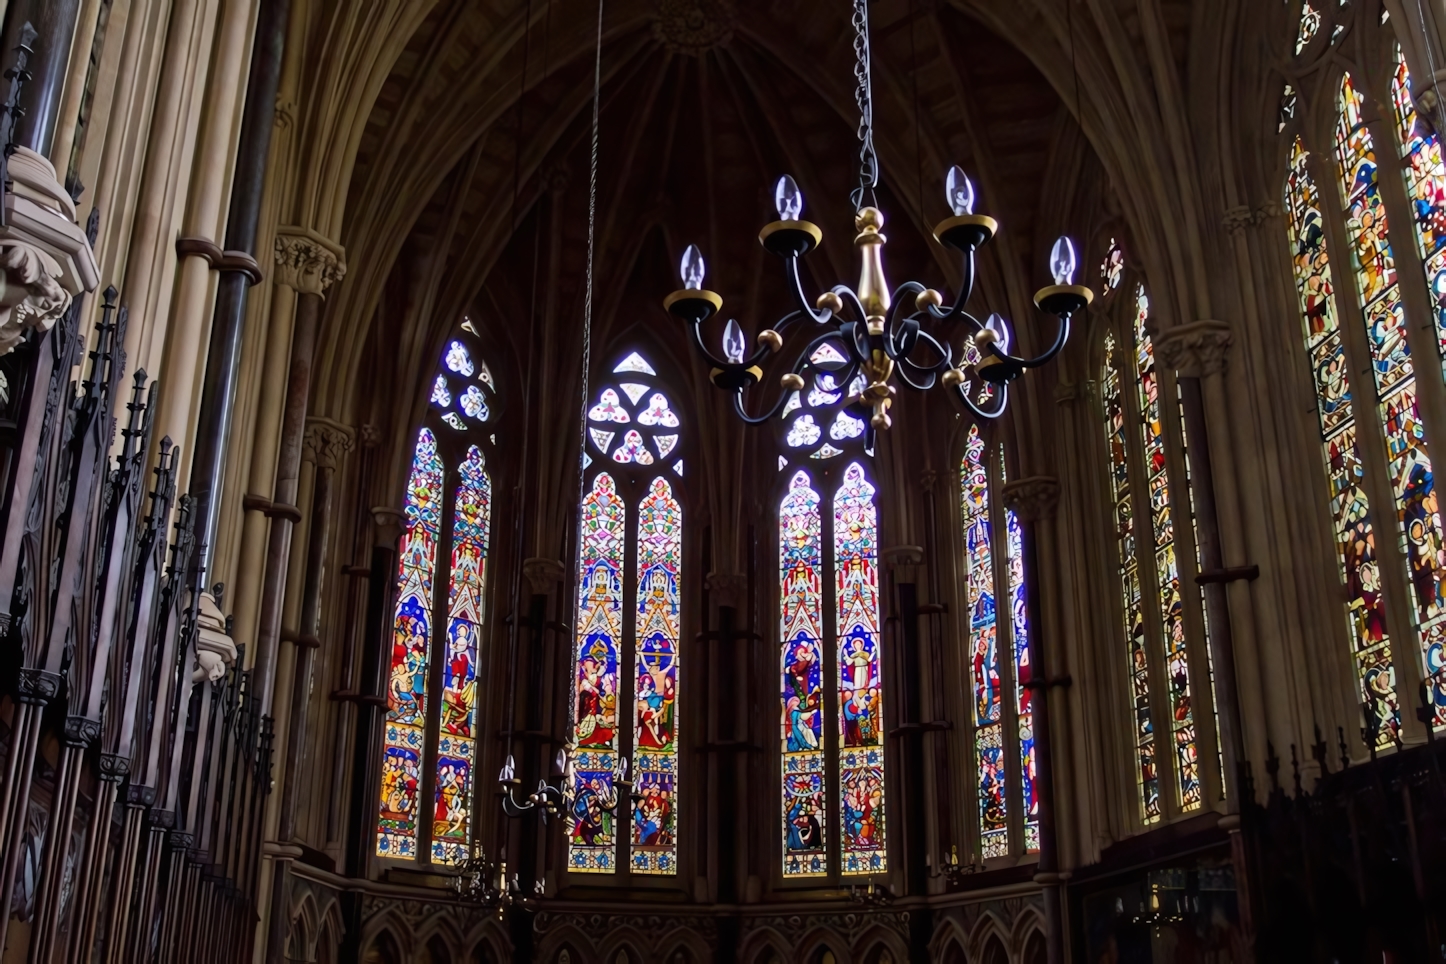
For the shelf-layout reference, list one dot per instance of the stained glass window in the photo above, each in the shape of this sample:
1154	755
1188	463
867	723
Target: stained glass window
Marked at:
405	729
1167	570
1350	507
984	651
1409	462
635	426
655	724
1147	778
430	739
1023	675
456	743
860	693
1310	23
1112	269
800	564
1426	190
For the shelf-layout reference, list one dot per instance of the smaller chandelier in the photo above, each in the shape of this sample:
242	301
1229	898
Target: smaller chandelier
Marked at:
863	337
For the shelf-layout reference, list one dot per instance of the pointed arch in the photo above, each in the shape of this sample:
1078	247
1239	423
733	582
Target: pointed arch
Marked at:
800	563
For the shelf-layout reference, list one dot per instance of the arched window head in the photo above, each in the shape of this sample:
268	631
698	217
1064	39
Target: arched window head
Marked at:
1112	269
429	754
629	628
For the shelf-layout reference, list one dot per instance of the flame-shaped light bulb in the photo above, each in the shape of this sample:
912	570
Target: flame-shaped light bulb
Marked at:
733	344
1063	261
509	770
692	268
1000	327
559	763
622	772
788	199
959	191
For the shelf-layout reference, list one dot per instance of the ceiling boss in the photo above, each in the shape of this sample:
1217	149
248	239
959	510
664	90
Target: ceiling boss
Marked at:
865	336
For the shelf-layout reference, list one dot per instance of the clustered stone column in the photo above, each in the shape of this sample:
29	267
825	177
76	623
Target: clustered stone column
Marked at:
1034	501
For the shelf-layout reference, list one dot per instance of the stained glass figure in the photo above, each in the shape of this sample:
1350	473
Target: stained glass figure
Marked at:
984	650
404	736
609	409
634	363
800	563
860	683
1167	571
440	395
655	721
1023	674
803	432
1147	778
1350	507
633	449
456	741
845	427
591	831
658	414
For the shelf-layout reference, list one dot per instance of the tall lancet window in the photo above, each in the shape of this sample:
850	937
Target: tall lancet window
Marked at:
429	754
1167	657
629	625
1003	728
830	650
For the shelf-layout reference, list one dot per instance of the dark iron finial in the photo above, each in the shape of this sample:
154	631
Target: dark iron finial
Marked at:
1345	752
11	111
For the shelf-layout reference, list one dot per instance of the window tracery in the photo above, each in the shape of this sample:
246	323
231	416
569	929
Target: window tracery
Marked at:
634	434
429	744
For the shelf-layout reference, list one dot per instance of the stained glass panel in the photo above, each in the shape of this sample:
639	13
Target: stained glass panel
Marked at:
591	834
800	563
404	734
860	684
1023	673
456	741
1350	508
1167	570
655	721
984	650
1426	188
1410	468
1117	434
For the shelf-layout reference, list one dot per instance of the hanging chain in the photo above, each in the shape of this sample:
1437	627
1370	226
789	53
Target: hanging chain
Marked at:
864	96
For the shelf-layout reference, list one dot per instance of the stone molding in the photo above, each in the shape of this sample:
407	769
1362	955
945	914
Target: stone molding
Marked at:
31	297
37	686
389	524
80	731
209	251
542	574
215	650
306	262
1197	349
1033	499
326	441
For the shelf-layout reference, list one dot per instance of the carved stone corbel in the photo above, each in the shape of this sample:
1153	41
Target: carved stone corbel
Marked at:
1033	499
1196	350
542	574
326	441
215	650
31	297
39	214
389	524
306	262
726	588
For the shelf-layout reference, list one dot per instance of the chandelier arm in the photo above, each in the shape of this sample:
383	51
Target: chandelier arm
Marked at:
846	294
982	413
1060	339
820	316
946	355
966	290
906	372
708	355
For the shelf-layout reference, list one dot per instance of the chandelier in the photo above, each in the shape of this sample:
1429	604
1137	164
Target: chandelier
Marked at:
865	336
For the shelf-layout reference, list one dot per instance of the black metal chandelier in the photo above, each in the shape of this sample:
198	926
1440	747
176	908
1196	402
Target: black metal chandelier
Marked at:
866	335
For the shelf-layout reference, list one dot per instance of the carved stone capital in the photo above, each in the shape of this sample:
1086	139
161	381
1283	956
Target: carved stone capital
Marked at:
693	26
140	796
80	731
1067	393
369	435
36	686
904	556
1197	349
306	262
389	524
928	479
1032	499
326	441
114	768
727	589
542	574
1239	218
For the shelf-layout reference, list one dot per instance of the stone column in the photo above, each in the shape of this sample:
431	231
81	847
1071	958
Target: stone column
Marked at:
54	25
325	443
1034	501
307	264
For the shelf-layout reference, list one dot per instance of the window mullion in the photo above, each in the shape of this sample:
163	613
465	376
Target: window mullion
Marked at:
436	662
1004	647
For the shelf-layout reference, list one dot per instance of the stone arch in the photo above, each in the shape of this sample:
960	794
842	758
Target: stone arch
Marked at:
329	935
992	951
1034	950
386	929
880	945
568	940
683	946
437	941
301	935
624	945
989	928
488	942
821	946
948	944
435	950
382	948
764	946
1028	924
